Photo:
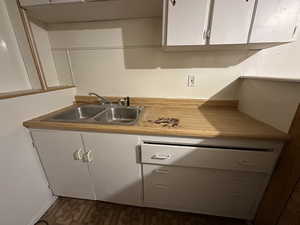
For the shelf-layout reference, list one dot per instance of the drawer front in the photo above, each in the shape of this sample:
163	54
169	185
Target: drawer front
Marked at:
33	2
215	192
215	158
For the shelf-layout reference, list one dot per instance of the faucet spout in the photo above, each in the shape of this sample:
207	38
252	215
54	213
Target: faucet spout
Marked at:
102	99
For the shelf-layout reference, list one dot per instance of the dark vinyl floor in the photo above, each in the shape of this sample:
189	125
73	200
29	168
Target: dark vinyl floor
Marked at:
67	211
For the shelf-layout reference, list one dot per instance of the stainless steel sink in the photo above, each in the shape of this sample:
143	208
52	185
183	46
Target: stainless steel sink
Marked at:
119	115
100	114
79	113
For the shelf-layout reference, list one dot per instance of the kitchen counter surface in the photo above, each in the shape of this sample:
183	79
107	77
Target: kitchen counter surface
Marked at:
203	121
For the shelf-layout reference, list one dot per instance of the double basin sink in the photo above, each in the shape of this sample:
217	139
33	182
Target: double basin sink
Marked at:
100	114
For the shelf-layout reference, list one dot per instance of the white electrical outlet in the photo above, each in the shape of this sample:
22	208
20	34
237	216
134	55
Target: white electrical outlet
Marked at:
191	81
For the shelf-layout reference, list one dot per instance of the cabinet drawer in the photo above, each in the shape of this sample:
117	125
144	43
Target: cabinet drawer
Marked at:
209	157
216	192
33	2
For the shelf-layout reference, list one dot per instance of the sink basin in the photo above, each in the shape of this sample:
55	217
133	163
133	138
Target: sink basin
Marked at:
99	114
119	115
79	113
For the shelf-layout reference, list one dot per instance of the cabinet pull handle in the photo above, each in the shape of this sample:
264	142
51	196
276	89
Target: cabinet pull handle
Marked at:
87	157
161	186
246	163
173	2
162	156
77	155
162	171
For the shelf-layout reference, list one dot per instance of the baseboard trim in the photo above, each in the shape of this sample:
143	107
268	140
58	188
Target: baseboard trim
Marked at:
42	211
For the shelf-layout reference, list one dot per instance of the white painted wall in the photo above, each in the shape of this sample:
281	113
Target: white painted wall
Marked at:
56	65
281	62
24	190
23	43
13	75
124	58
272	102
44	51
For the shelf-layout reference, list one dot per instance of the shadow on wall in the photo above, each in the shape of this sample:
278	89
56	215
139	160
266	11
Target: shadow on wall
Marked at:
151	57
140	41
230	89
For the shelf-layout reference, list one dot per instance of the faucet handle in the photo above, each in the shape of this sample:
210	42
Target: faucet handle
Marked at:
125	101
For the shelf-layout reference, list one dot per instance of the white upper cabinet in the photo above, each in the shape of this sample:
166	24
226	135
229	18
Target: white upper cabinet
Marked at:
231	21
275	21
185	22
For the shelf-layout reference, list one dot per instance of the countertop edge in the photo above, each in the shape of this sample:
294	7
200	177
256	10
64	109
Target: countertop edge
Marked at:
149	131
39	123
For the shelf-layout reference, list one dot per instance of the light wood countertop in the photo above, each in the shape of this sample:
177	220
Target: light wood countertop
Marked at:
204	121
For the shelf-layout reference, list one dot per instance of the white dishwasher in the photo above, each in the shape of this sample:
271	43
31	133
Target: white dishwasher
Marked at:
222	181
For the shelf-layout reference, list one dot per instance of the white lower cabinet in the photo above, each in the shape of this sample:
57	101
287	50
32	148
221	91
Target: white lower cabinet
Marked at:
60	153
91	165
207	176
223	181
115	169
208	191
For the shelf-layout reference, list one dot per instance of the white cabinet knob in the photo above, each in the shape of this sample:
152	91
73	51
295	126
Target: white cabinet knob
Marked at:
87	157
77	155
245	162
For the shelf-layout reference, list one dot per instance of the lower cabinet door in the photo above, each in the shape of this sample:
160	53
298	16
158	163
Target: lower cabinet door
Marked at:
215	192
60	153
114	167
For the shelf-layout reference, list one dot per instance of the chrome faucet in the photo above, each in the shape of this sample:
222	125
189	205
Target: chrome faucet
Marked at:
100	98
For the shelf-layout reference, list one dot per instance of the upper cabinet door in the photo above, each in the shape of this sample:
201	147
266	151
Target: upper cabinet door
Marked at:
185	22
231	21
275	21
33	2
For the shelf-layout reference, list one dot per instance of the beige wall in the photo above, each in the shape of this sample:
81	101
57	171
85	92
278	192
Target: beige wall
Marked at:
44	49
281	61
272	102
125	58
13	74
56	65
23	43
